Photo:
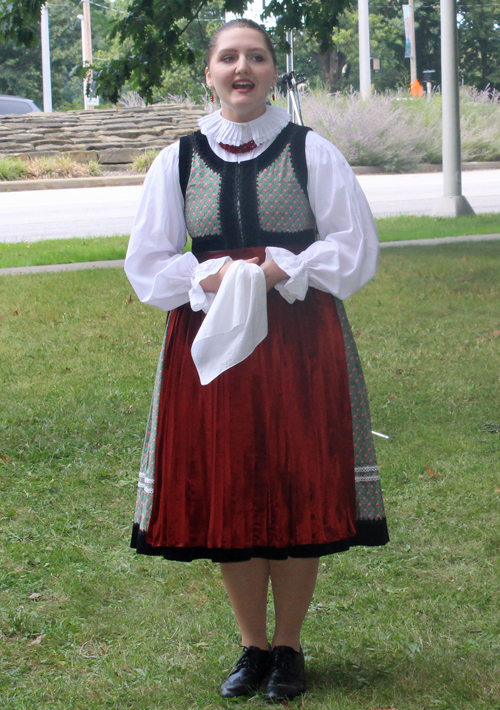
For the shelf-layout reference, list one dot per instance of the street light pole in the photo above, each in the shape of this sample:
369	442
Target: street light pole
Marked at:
86	50
289	68
46	78
365	82
413	58
453	203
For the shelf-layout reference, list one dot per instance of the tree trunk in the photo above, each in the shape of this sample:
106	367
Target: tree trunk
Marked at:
485	69
331	65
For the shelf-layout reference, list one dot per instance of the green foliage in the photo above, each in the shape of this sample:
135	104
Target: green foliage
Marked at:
386	42
156	38
12	168
142	162
21	73
157	47
20	21
317	17
154	33
479	38
59	166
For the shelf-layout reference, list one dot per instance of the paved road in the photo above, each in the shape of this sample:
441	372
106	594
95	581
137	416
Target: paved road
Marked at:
105	211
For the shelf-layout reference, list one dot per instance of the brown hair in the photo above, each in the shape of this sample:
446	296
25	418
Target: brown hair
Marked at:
240	22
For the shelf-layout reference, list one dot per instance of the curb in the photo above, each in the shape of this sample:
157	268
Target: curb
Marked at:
70	183
118	180
119	263
56	268
442	240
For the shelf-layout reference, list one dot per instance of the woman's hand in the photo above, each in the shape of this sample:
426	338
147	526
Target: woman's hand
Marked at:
273	274
212	283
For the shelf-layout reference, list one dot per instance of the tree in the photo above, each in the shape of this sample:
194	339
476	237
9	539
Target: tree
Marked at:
386	42
21	66
21	72
152	35
479	39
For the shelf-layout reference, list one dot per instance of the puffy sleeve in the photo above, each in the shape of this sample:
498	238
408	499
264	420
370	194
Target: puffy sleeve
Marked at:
347	253
159	272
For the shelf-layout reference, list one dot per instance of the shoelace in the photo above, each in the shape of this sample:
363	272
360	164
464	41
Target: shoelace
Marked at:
282	659
249	659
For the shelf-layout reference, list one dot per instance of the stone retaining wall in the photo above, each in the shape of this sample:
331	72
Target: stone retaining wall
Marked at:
114	137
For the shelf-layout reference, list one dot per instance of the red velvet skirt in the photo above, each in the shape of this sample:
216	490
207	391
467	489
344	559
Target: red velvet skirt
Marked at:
259	462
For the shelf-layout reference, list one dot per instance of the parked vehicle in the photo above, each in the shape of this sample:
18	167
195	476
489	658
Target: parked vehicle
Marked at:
16	104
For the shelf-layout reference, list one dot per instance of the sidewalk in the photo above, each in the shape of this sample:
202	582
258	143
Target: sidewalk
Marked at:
135	179
118	263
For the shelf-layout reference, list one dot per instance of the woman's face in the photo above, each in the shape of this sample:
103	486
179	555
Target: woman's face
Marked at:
241	71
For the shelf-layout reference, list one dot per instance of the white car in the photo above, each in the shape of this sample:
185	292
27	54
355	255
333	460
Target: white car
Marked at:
16	104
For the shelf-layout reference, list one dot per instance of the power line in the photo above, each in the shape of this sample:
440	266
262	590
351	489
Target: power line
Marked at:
104	7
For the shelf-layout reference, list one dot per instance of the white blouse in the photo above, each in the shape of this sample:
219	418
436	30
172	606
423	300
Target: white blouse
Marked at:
341	262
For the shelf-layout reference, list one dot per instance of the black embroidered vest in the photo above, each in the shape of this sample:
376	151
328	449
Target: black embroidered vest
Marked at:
258	202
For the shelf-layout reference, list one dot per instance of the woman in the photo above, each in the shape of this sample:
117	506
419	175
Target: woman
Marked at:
269	464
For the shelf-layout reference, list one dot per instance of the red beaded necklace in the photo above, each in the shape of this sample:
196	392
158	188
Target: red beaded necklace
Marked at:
243	148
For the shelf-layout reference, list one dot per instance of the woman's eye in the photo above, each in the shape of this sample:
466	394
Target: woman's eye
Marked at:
258	58
228	58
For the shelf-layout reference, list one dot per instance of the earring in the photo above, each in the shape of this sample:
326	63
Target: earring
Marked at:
212	98
273	97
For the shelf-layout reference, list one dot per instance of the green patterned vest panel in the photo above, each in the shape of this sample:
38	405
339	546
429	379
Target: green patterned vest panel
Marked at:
258	202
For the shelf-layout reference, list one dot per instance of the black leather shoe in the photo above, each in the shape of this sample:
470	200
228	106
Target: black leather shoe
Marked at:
248	674
286	674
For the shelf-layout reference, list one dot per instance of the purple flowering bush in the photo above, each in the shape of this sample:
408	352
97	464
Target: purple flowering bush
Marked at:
480	124
396	133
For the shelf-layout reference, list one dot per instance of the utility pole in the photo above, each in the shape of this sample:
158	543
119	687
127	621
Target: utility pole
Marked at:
289	68
365	81
87	51
453	203
413	58
46	78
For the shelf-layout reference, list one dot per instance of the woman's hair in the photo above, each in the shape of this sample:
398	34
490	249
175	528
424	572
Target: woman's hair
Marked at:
241	22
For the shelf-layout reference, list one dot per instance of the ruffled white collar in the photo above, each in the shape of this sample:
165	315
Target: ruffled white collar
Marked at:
260	130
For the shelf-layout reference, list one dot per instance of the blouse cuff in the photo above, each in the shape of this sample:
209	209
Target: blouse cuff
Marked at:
199	299
295	287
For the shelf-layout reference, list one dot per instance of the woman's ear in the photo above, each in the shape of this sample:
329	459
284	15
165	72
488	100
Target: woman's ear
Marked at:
208	78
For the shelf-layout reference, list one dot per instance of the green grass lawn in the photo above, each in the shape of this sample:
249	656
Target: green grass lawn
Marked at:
63	251
87	624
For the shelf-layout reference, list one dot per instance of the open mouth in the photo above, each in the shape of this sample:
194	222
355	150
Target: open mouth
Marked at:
243	85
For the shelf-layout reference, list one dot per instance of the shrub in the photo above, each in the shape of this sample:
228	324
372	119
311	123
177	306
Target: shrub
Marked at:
480	124
373	132
60	166
12	168
142	162
396	132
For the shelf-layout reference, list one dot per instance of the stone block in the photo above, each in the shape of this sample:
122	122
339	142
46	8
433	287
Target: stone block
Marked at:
44	147
116	125
117	167
123	155
52	142
43	154
154	122
20	138
97	145
82	156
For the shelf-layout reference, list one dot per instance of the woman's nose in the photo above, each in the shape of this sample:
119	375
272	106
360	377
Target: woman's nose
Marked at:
241	64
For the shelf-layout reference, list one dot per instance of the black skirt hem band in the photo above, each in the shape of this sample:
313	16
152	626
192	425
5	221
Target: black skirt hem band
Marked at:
369	533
